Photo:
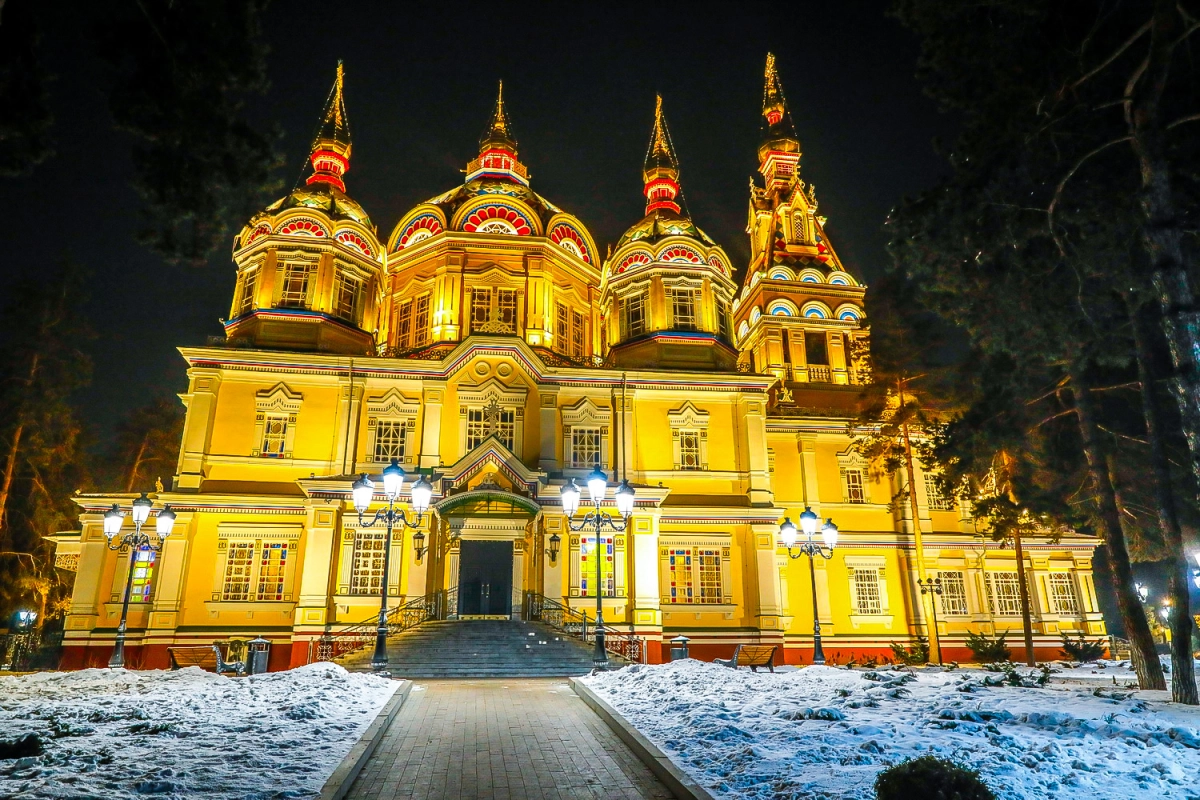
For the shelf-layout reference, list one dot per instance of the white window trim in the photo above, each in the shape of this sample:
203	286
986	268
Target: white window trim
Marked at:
849	460
480	395
276	401
257	533
619	564
585	414
666	542
688	417
393	407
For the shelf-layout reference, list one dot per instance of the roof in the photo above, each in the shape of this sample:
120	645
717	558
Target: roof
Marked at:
456	197
334	202
659	224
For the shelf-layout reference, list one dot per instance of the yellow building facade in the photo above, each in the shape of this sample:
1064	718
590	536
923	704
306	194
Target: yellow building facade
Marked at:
487	345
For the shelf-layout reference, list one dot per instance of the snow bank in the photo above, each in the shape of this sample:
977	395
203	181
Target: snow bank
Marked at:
184	734
823	732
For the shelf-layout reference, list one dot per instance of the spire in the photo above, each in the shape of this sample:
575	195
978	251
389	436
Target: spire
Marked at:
661	171
499	129
779	153
330	153
498	149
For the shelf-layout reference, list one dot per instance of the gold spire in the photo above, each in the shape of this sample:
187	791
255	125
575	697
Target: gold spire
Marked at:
661	153
499	129
335	123
772	91
660	138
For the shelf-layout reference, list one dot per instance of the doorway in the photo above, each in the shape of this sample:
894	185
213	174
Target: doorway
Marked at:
485	576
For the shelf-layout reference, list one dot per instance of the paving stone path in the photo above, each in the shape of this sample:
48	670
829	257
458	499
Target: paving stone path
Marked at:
502	738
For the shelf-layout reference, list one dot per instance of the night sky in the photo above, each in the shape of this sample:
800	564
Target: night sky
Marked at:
420	86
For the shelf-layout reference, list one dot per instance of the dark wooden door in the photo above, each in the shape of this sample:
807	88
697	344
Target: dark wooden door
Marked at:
485	577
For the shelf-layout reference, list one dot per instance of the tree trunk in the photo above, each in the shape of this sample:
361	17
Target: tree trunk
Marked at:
1023	586
1183	677
1162	227
137	463
10	469
1145	658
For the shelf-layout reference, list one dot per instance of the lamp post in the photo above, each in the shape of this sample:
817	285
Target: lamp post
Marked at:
933	586
364	492
597	483
114	518
1143	591
829	535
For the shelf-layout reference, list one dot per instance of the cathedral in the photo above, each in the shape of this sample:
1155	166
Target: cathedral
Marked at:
489	348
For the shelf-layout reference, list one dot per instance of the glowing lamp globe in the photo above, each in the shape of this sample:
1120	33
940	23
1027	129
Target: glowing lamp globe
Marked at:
112	521
164	522
624	497
788	533
830	534
570	498
597	482
393	480
141	509
363	490
809	521
422	491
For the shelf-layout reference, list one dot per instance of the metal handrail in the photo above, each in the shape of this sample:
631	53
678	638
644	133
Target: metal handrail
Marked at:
563	618
356	637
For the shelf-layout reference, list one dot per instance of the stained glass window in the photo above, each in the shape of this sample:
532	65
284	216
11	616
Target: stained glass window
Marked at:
143	575
587	566
272	565
856	491
274	435
709	563
366	570
679	569
689	450
239	563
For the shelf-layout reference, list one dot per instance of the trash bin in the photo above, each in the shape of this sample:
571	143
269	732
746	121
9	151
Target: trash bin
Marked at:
259	654
679	648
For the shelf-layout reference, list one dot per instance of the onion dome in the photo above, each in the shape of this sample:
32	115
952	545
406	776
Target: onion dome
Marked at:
309	265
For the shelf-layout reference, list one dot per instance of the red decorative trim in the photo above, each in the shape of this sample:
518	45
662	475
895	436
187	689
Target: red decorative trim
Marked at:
352	239
633	260
480	217
681	253
427	222
303	226
564	232
257	233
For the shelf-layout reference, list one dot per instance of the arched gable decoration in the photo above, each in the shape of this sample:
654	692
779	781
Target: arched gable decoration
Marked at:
499	218
743	330
281	405
840	279
259	232
633	260
353	240
816	310
755	313
811	276
783	308
571	240
782	274
303	226
680	253
848	312
420	225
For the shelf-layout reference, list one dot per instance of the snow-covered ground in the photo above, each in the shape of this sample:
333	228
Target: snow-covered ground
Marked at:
824	732
185	734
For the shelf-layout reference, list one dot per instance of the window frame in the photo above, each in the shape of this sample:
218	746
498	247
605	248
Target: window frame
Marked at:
960	594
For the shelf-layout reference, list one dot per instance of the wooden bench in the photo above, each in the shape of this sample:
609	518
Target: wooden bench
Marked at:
752	656
206	658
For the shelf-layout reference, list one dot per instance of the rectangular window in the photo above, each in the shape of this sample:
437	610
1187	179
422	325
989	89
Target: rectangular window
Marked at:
274	435
689	450
866	591
1004	594
856	490
390	439
938	499
585	447
709	563
954	593
481	307
272	566
506	309
576	334
494	311
421	321
366	569
345	297
294	287
683	308
239	563
587	566
479	427
249	286
562	328
404	325
679	568
723	321
633	315
1063	597
143	575
815	349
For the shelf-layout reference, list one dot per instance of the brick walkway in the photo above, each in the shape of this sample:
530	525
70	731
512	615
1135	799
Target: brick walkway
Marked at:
502	738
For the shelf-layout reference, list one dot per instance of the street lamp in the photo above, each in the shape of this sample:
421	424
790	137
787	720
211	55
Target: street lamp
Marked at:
113	520
597	483
363	492
25	620
933	586
1143	591
810	548
1196	577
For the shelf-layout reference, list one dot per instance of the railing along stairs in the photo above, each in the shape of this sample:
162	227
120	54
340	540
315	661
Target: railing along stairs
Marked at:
335	644
539	608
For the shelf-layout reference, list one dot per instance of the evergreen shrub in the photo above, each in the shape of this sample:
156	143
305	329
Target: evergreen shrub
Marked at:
1081	649
930	778
989	649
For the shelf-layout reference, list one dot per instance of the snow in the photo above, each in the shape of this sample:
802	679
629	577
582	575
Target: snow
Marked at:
184	734
825	732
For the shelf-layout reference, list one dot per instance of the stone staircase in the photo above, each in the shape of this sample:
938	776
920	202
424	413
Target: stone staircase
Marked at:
481	649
